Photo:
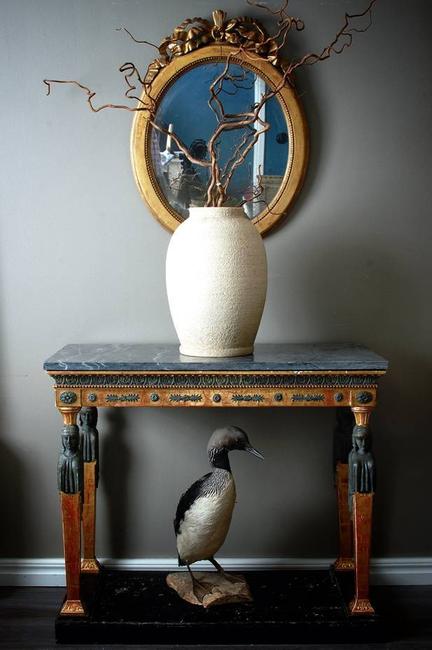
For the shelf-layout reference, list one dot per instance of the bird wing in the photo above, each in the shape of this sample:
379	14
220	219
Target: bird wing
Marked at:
187	499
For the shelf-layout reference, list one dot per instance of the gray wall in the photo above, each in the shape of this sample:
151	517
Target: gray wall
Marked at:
83	261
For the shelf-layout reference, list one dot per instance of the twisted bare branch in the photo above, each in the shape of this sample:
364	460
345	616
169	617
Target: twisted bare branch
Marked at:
90	94
120	29
138	86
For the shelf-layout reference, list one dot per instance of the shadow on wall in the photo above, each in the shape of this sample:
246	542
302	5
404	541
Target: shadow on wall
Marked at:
363	292
284	502
16	535
15	539
114	480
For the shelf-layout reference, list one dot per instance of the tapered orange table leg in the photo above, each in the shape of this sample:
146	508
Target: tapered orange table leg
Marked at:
70	482
361	487
71	514
89	563
345	560
362	523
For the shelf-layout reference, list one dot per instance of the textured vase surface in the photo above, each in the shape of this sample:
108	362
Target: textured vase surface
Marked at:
216	275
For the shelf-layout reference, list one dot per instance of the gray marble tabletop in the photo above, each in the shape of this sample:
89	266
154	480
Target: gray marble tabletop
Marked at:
276	357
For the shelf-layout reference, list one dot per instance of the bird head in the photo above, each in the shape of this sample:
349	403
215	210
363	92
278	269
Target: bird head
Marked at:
230	438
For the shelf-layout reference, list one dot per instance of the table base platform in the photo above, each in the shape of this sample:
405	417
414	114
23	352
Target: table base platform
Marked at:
289	607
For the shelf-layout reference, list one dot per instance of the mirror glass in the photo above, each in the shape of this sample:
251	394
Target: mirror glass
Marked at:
184	109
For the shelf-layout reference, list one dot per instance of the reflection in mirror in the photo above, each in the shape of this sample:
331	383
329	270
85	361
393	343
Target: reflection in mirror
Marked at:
184	109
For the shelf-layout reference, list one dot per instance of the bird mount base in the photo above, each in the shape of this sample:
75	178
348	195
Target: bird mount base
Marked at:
214	588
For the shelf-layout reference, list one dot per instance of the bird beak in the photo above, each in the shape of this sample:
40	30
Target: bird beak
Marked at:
253	451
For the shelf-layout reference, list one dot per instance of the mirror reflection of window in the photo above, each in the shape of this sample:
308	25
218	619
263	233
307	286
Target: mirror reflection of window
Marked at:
184	110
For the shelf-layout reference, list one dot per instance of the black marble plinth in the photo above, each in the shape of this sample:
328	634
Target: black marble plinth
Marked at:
275	357
289	607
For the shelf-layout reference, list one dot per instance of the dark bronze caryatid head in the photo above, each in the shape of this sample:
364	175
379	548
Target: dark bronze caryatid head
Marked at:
70	439
88	417
360	439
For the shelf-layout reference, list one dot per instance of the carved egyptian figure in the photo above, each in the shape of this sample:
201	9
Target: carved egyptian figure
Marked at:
69	469
361	463
88	419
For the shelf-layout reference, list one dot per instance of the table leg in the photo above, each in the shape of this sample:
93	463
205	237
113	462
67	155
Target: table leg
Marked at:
344	561
341	447
70	481
361	486
90	448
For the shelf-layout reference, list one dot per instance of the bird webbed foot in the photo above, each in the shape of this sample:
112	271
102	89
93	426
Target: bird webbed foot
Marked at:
221	571
198	589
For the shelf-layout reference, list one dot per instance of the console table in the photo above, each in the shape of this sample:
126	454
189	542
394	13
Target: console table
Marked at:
88	377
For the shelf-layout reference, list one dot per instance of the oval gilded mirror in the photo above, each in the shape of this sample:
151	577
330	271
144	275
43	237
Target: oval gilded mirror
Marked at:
271	172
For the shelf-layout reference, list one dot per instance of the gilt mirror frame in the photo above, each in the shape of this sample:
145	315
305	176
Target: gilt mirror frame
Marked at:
298	138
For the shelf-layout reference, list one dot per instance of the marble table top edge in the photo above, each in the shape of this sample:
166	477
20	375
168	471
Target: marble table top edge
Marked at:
267	357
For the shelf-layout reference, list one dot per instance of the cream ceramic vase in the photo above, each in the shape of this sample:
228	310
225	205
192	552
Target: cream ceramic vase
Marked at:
216	275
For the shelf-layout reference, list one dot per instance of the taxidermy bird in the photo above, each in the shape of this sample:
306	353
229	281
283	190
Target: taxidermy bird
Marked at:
204	511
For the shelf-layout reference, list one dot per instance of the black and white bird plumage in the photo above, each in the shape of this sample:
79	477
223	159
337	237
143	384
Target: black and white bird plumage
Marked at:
204	511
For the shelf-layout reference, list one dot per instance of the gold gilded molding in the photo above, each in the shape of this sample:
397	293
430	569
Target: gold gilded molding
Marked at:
194	33
362	414
69	413
206	388
236	396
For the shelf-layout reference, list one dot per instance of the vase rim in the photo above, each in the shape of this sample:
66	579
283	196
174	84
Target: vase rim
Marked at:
222	211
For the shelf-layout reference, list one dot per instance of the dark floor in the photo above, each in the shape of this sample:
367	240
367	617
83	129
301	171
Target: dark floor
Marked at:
27	621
